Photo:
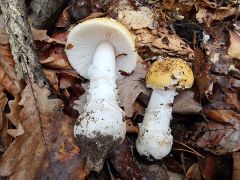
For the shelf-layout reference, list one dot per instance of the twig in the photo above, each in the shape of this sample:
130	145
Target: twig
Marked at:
191	149
185	150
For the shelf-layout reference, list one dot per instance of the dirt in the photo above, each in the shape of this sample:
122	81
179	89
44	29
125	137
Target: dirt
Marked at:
96	149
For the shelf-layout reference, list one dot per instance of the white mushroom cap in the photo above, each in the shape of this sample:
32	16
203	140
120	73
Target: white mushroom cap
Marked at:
85	37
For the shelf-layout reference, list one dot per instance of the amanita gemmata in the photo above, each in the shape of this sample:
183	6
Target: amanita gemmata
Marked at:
165	77
100	50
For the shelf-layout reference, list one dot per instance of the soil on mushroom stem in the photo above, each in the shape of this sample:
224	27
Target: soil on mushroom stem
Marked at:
96	148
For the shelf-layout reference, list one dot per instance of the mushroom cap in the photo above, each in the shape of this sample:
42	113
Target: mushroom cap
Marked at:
170	73
84	38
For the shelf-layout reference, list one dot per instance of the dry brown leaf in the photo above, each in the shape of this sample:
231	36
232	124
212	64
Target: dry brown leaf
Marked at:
206	16
66	81
130	87
3	102
27	157
93	15
16	132
143	37
59	37
223	116
172	43
80	103
51	75
206	3
208	167
127	166
220	138
136	19
56	58
194	173
15	109
184	103
8	78
39	34
130	127
234	48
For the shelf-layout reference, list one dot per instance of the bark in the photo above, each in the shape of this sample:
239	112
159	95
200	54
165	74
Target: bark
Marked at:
23	47
45	12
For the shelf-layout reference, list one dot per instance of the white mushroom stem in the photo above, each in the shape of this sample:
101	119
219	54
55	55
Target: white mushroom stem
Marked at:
155	139
102	116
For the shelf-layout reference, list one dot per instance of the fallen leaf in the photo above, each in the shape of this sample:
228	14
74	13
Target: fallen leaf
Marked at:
206	16
234	48
3	103
175	176
130	87
172	43
130	127
219	138
184	103
208	167
51	75
127	167
39	34
15	109
47	149
16	132
143	37
206	3
93	15
56	58
136	19
59	37
215	167
223	116
82	100
194	173
8	78
66	81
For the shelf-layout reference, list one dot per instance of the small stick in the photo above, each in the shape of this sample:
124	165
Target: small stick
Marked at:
185	150
192	150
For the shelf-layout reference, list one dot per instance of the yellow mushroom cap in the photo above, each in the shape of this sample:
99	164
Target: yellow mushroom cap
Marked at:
170	72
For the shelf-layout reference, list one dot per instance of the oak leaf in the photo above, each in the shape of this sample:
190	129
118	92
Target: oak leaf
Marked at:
234	48
47	149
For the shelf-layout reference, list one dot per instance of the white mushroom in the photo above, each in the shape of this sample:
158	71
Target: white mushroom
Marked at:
100	50
165	77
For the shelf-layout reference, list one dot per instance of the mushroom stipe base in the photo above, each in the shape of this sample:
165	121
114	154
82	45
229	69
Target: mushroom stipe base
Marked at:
96	149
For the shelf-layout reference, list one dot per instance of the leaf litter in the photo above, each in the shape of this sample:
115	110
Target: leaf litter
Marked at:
207	115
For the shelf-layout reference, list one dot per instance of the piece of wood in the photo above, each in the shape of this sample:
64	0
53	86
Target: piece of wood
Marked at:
23	47
45	12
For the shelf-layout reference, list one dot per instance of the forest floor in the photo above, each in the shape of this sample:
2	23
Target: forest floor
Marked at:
36	131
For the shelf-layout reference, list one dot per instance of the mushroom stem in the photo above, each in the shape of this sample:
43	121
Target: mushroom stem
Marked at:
155	139
101	125
103	64
102	75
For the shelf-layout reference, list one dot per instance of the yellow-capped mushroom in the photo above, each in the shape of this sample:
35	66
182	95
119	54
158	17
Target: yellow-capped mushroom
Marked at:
165	77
